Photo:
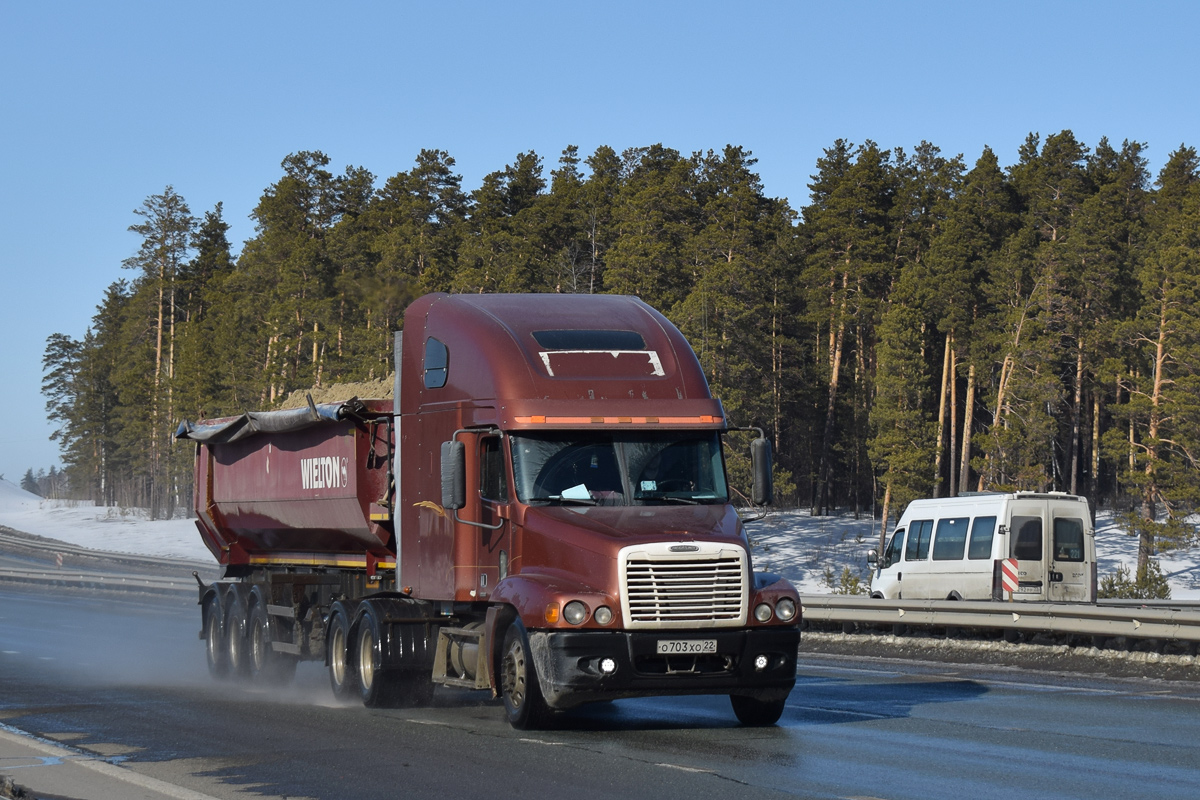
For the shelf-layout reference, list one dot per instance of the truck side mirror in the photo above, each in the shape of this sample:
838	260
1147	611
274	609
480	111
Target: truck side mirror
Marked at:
763	492
872	557
454	475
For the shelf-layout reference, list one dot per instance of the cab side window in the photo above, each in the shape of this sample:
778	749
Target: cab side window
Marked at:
895	546
493	483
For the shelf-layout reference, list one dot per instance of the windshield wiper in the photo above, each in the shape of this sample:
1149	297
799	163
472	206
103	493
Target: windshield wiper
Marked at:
670	498
587	501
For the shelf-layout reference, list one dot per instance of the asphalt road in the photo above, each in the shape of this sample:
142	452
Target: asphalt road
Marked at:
126	679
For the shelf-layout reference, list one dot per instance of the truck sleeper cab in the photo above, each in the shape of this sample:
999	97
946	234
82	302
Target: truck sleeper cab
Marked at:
542	511
951	549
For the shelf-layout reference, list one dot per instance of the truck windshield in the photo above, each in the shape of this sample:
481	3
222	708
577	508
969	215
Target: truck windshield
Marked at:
619	468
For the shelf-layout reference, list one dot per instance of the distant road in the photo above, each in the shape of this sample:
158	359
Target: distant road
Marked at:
126	679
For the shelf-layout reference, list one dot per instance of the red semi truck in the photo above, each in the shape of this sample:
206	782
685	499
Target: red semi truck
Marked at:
542	511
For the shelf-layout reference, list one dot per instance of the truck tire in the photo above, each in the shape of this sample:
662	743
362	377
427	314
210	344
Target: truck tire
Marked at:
342	677
373	683
216	649
756	713
235	636
524	705
266	665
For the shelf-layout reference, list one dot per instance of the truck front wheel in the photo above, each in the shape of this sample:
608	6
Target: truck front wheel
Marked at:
756	713
524	705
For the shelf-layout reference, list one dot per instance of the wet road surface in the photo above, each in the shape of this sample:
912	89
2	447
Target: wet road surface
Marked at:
125	679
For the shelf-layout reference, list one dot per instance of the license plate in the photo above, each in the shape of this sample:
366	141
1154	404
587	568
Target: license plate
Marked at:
670	647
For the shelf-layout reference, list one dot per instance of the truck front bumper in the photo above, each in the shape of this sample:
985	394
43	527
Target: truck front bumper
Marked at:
577	667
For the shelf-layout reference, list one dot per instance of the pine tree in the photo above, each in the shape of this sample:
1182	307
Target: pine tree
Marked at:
847	273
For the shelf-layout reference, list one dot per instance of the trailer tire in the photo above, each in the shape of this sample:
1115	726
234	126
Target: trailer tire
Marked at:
755	713
524	704
342	677
236	643
266	665
216	649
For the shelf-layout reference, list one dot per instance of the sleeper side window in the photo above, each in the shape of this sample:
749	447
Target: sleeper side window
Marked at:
1068	539
919	534
951	539
1027	538
437	364
982	531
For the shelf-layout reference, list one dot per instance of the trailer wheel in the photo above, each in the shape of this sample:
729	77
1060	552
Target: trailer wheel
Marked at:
524	705
756	713
342	678
266	665
216	651
371	682
235	636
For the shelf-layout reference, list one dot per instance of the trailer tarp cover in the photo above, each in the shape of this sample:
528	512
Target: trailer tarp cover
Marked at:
252	422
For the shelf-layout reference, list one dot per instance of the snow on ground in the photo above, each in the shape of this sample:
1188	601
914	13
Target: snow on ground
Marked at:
112	529
794	544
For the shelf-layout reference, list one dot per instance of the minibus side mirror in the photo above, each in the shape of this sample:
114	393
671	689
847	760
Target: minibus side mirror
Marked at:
872	557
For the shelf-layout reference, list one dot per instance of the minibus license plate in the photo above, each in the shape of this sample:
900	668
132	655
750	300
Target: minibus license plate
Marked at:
670	647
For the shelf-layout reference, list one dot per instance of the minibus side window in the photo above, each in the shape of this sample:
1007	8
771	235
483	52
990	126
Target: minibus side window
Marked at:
1027	538
1068	539
951	539
982	530
919	534
895	545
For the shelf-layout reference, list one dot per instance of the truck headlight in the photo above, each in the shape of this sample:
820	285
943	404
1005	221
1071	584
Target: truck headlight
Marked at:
575	612
762	612
603	615
785	609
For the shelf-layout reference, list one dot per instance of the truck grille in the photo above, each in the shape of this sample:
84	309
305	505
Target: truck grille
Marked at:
705	588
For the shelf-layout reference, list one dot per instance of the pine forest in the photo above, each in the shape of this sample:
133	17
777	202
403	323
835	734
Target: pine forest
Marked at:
923	327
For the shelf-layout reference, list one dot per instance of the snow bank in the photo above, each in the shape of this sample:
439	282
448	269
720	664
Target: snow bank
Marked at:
87	525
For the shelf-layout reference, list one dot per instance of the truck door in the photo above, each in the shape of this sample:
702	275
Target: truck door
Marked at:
1027	527
1070	572
494	544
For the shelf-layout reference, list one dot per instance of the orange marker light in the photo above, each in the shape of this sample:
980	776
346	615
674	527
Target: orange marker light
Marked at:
552	613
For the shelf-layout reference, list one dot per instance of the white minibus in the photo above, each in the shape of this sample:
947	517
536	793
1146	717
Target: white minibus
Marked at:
952	549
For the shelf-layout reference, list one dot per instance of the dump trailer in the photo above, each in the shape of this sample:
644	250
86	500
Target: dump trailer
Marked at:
541	511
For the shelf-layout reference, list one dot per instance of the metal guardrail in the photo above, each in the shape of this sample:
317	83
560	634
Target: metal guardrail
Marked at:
103	581
49	548
1143	622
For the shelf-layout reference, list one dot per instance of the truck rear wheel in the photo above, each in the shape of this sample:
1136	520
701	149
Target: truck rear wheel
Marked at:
756	713
524	705
235	636
216	649
342	678
266	665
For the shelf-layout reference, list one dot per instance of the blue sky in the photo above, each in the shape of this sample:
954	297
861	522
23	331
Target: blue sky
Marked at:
104	104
